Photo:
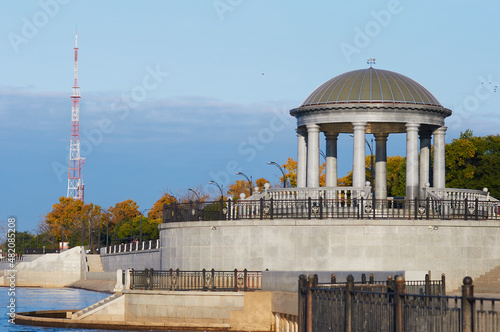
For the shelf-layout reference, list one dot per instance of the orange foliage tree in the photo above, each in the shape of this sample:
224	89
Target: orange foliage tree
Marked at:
127	209
156	212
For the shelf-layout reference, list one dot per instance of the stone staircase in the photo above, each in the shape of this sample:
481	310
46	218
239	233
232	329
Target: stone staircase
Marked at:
95	307
488	282
94	263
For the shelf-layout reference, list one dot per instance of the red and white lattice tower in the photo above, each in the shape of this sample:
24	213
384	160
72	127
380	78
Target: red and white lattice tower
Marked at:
75	181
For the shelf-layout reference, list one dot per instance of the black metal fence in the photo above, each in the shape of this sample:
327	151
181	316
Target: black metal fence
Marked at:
422	287
205	280
392	308
332	208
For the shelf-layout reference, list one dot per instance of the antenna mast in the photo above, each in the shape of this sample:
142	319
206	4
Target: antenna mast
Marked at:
75	181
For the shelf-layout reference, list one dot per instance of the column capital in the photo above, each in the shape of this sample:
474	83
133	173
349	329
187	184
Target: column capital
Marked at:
412	126
380	136
301	131
359	125
425	134
440	131
331	136
312	127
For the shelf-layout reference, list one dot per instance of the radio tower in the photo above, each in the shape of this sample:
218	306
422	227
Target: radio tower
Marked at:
75	181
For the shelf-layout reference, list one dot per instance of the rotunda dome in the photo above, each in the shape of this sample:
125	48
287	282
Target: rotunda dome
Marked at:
370	85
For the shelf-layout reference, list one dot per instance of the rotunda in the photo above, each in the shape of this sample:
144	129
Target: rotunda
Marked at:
378	102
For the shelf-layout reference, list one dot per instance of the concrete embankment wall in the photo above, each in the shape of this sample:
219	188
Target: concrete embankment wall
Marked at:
455	247
250	311
137	260
49	270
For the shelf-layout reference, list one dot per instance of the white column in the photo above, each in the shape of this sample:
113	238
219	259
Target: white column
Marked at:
301	158
331	159
425	153
381	166
411	160
439	158
312	156
358	158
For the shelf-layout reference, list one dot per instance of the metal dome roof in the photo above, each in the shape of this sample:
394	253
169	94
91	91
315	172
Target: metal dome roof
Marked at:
371	85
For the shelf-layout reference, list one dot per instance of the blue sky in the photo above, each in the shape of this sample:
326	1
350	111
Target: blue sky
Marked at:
178	93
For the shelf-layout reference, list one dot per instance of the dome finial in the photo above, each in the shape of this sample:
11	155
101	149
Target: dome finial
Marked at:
371	62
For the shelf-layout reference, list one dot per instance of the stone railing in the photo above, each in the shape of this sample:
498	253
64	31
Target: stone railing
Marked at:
314	193
130	247
459	194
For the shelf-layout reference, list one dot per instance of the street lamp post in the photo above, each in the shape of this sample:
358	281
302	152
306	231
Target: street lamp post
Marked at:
322	154
212	182
107	225
249	180
36	236
281	169
140	226
197	196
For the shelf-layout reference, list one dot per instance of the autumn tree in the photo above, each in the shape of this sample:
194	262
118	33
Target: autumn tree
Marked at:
125	210
260	183
64	216
156	212
138	228
474	162
291	173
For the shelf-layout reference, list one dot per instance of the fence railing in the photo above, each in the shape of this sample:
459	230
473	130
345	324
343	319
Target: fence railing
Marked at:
332	208
394	308
205	280
132	246
422	287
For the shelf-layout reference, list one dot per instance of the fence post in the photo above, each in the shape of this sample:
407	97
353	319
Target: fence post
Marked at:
361	208
235	280
171	279
271	209
467	305
229	208
119	281
203	273
476	210
309	208
261	208
221	207
320	207
213	279
373	205
415	207
443	284
398	299
466	208
348	303
245	279
178	278
302	302
427	208
310	284
427	289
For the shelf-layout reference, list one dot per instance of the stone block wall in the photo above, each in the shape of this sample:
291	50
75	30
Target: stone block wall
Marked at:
454	247
137	260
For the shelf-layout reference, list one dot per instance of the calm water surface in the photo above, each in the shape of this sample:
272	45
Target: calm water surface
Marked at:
31	299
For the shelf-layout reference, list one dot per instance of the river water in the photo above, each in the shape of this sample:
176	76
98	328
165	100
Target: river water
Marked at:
31	299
